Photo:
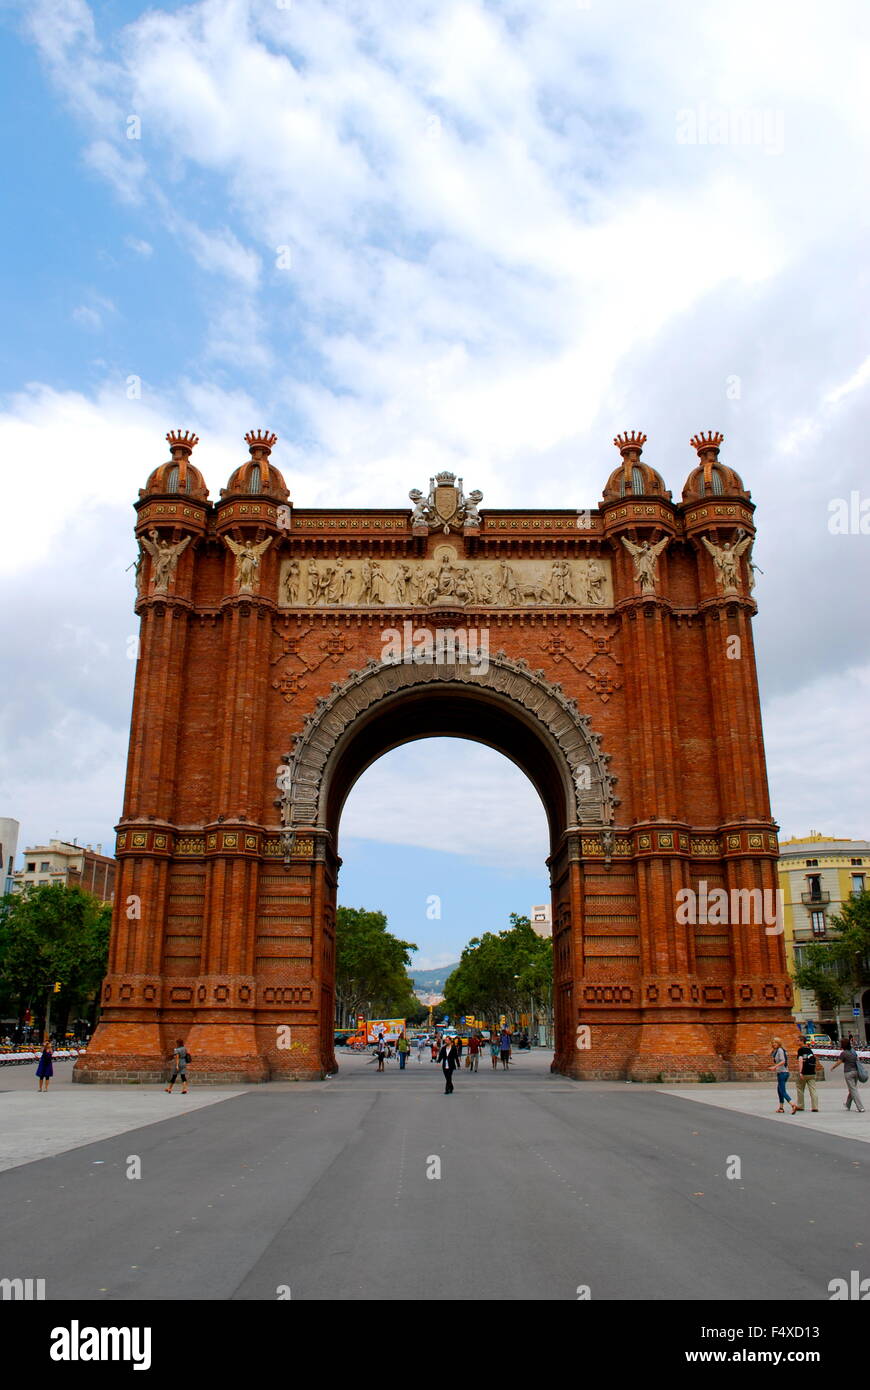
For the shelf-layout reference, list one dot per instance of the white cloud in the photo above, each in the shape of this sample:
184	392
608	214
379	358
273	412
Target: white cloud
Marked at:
455	796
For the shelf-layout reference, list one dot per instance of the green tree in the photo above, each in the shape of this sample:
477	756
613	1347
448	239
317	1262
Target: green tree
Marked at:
370	966
53	933
502	973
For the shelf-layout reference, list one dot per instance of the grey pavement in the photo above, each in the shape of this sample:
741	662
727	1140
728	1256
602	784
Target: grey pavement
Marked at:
327	1191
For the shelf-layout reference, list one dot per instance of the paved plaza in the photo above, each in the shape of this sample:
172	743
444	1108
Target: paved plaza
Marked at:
331	1190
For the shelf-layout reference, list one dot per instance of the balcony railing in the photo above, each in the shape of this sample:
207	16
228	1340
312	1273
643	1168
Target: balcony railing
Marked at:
819	899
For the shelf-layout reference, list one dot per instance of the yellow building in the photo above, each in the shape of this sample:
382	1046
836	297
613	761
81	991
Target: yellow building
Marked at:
817	875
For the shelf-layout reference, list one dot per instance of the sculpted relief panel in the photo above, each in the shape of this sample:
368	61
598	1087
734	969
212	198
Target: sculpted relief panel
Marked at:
446	578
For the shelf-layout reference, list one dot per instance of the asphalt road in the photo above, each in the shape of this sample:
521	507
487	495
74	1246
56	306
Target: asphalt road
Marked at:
323	1191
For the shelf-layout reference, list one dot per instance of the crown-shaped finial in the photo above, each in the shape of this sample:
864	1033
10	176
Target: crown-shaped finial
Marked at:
707	447
261	439
186	441
634	440
702	441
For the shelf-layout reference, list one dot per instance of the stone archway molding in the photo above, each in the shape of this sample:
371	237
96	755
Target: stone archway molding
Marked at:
589	786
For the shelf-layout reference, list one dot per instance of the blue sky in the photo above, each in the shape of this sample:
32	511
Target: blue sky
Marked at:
435	235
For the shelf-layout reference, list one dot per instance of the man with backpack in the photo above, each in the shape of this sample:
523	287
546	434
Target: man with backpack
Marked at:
180	1059
853	1072
806	1078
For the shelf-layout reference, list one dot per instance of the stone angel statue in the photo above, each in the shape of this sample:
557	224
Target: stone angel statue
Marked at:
725	558
247	561
645	558
164	557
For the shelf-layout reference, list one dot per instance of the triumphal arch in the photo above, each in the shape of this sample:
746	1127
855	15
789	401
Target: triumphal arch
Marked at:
608	651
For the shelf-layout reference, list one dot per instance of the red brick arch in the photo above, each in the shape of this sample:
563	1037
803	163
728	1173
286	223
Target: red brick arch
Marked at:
613	634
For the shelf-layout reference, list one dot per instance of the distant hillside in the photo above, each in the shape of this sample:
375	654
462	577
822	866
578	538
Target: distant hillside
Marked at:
431	981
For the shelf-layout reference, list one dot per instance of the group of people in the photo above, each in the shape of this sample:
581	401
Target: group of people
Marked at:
448	1054
447	1051
807	1073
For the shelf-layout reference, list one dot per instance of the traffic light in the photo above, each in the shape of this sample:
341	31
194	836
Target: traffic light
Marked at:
57	987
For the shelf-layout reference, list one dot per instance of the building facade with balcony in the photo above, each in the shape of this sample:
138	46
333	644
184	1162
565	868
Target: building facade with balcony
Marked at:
817	875
62	862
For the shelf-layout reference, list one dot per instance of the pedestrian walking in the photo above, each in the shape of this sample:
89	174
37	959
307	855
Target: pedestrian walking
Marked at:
403	1047
504	1047
806	1078
179	1058
848	1060
434	1049
45	1067
780	1066
449	1059
494	1051
380	1051
421	1044
473	1051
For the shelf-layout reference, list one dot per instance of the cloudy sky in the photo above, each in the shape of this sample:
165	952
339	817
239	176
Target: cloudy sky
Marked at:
411	236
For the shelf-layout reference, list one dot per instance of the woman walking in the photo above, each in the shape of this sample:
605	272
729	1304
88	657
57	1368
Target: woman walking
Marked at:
381	1051
780	1066
848	1060
403	1047
494	1051
449	1062
504	1047
180	1058
45	1069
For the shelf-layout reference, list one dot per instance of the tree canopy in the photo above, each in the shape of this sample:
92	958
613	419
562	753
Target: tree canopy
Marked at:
502	973
370	964
52	933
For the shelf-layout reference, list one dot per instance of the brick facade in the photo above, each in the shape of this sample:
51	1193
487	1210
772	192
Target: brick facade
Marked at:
622	679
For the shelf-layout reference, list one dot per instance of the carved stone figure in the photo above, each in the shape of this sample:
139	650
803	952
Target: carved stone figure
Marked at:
508	591
247	561
430	588
725	559
472	515
401	582
347	581
645	560
420	514
164	556
378	585
446	578
595	579
291	582
313	582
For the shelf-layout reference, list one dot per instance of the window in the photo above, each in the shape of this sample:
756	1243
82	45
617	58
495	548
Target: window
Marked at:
31	868
818	920
814	885
859	862
812	863
44	867
857	885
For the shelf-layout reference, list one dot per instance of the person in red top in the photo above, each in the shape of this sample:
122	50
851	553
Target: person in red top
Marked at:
473	1051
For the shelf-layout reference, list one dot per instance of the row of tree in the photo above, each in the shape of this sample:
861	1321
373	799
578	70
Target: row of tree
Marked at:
52	934
506	973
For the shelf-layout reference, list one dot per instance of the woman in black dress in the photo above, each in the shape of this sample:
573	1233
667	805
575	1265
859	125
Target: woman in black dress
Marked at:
45	1069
